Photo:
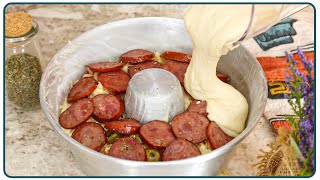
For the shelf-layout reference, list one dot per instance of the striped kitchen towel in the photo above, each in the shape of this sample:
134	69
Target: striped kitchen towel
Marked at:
269	48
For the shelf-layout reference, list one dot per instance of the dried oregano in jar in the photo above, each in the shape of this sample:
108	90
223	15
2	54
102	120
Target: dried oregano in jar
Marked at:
23	75
24	62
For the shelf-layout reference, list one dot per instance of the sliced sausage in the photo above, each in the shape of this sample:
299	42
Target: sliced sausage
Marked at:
128	148
77	113
107	107
83	88
136	56
216	136
124	126
176	56
180	149
115	82
91	135
132	70
190	126
198	106
176	68
157	134
105	66
223	77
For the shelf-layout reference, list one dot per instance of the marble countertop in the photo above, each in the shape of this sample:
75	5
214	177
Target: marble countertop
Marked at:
33	148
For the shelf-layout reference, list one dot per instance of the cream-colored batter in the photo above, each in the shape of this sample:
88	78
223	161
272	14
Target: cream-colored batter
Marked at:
214	29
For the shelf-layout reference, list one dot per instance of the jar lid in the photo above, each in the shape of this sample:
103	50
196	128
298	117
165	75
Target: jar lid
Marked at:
19	33
17	24
31	33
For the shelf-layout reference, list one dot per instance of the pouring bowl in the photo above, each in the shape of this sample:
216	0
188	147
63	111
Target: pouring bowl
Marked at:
256	27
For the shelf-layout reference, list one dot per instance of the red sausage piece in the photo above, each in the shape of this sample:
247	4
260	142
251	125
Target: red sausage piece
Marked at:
91	135
157	134
128	148
176	56
190	126
216	136
176	68
223	77
83	88
198	106
136	56
76	114
132	70
107	107
105	66
124	126
180	149
115	82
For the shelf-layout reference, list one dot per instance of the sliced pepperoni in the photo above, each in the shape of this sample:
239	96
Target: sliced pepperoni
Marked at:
132	70
107	107
157	134
176	68
190	126
91	135
176	56
124	126
128	148
105	66
115	82
223	77
76	114
136	56
83	88
216	136
198	106
180	149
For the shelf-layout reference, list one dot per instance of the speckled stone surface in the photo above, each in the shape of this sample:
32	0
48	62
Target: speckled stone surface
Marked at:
34	148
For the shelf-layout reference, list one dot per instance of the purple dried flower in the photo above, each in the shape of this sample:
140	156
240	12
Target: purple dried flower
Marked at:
288	78
289	56
291	66
309	66
302	87
302	57
296	72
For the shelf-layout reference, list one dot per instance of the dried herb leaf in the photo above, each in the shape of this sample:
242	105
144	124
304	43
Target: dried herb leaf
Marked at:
23	75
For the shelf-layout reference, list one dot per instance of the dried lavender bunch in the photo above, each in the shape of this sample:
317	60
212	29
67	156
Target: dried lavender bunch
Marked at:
301	101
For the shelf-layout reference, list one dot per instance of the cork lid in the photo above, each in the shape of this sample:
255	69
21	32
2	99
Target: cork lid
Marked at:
17	24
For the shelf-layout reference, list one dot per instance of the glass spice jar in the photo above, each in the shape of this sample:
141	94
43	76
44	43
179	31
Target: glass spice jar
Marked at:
23	69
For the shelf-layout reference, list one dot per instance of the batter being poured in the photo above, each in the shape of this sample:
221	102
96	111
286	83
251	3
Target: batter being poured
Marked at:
214	29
